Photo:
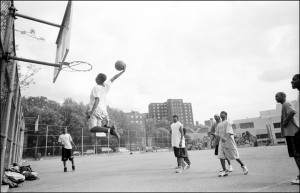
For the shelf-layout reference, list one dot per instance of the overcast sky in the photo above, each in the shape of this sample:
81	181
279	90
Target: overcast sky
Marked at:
218	55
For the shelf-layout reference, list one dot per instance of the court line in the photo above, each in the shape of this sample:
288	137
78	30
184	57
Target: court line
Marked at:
269	175
259	189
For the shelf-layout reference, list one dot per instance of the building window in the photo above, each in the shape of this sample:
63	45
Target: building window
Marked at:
262	136
277	125
246	125
278	136
233	126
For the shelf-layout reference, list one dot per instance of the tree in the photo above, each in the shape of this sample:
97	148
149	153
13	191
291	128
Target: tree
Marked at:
26	79
47	110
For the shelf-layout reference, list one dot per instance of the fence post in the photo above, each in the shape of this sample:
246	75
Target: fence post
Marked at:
13	118
81	140
108	141
46	141
36	145
96	144
17	135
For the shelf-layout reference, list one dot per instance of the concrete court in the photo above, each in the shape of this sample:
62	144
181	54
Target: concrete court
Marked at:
270	170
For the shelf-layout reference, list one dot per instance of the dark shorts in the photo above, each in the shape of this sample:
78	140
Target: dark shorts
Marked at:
180	152
66	154
216	149
293	146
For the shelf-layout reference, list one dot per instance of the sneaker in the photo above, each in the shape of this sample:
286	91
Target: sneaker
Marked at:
113	131
185	165
179	170
223	173
188	166
296	181
65	169
230	168
73	167
221	170
245	170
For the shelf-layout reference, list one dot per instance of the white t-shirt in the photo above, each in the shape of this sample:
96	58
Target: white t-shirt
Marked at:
222	129
100	92
65	139
176	135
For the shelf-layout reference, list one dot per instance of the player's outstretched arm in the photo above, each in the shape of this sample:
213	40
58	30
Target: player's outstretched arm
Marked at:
117	75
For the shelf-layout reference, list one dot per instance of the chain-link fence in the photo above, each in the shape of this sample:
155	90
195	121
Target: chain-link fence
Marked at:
44	142
12	121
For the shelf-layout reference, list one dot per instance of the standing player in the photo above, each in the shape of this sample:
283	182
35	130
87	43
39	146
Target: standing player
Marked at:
216	140
97	115
296	85
186	160
65	141
178	142
289	128
227	145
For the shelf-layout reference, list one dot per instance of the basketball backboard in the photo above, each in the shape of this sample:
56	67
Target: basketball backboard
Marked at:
63	40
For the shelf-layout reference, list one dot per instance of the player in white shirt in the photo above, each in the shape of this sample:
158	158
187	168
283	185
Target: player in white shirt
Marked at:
65	141
97	115
227	146
178	142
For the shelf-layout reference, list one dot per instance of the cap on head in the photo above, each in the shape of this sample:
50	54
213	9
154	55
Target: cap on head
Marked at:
217	115
175	116
100	78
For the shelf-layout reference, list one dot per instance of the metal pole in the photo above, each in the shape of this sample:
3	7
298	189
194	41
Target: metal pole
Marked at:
34	61
46	141
108	141
163	140
14	124
96	145
37	141
8	109
81	140
17	141
6	45
37	20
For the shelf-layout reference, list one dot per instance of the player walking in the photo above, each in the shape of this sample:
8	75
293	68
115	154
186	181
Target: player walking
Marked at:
65	141
178	142
216	140
227	146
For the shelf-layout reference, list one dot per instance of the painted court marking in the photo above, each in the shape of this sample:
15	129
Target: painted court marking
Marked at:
259	189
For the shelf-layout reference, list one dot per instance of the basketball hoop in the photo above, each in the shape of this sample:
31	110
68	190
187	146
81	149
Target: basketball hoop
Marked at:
77	66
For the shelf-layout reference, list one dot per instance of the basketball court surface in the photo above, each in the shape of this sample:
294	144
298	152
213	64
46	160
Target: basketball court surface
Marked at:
270	170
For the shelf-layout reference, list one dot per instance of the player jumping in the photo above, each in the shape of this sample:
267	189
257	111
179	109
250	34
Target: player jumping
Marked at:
97	115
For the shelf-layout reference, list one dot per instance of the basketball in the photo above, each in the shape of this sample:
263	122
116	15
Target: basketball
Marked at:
120	65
